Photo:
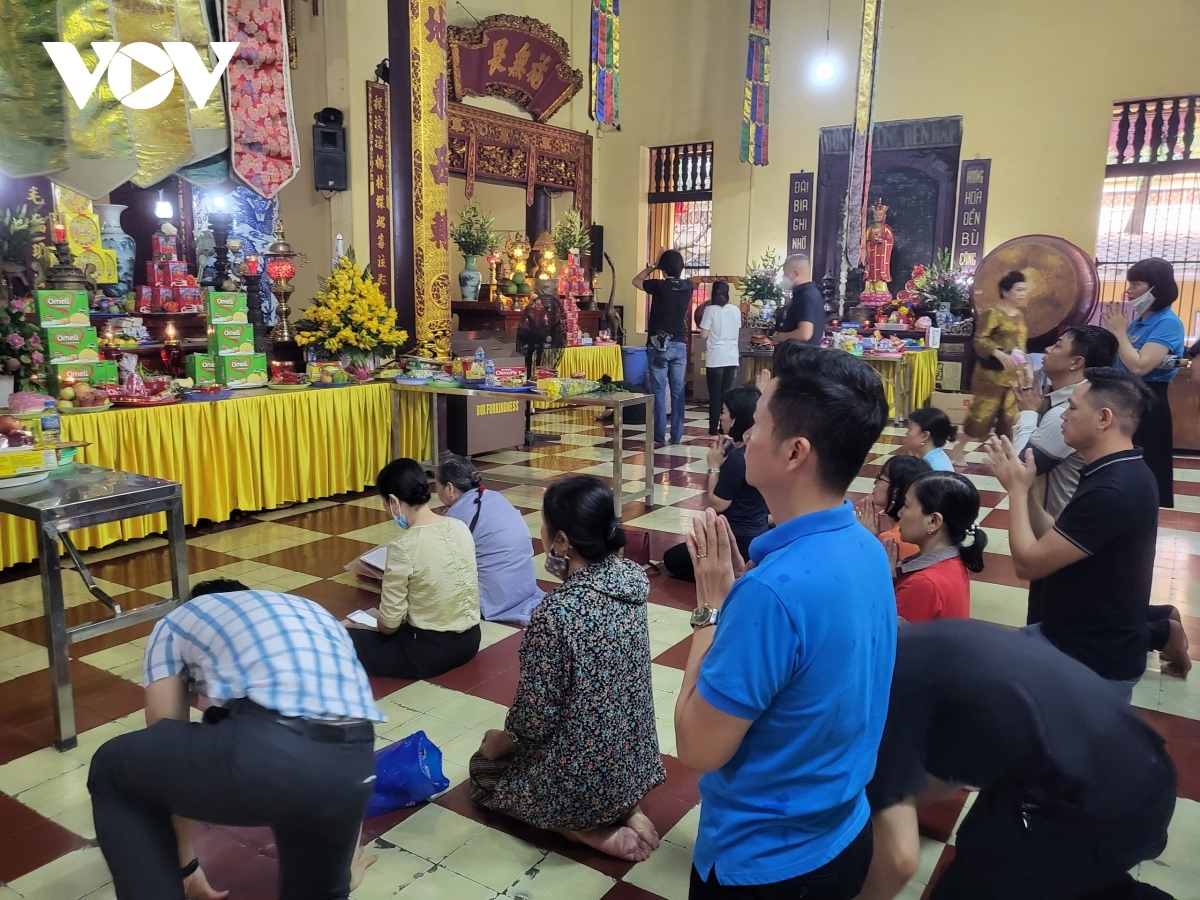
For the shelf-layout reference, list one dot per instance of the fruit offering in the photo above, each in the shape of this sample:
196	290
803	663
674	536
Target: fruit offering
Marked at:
81	395
331	374
12	434
288	378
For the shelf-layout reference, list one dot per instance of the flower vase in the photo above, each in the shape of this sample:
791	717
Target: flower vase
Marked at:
113	237
469	278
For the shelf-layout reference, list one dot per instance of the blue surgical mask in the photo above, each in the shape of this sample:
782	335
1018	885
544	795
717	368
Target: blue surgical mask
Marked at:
557	565
401	520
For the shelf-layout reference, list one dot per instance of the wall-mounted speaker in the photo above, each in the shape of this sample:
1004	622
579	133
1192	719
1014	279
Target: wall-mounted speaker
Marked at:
331	171
597	251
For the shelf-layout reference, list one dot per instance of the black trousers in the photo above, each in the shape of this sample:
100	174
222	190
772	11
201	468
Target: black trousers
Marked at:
678	561
308	782
839	879
720	380
1157	617
1007	848
414	652
1155	435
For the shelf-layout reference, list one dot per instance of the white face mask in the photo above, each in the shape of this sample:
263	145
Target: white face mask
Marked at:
786	284
1142	304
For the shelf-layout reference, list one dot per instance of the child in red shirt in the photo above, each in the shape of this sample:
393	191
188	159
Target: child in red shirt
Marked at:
938	515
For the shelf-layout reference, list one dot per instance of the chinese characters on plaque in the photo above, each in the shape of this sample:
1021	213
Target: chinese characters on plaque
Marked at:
516	58
972	212
800	205
379	186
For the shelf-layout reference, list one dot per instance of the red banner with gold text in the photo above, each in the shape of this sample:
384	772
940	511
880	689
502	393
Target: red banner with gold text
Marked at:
379	186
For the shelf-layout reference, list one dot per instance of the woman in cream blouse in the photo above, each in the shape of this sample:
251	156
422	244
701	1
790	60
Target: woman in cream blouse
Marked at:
428	617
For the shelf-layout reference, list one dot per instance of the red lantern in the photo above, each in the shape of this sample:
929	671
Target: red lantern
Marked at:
281	269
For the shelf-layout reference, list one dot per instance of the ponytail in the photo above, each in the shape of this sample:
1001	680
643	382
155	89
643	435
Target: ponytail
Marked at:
957	500
972	554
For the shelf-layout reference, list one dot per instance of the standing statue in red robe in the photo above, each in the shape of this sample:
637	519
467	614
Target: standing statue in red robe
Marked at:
880	241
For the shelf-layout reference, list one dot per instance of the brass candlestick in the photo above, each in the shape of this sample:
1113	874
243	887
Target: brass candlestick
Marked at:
281	269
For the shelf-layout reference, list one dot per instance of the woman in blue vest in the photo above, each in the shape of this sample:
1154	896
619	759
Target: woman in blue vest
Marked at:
1151	346
508	590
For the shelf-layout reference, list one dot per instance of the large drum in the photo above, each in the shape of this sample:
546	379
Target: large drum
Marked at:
1062	280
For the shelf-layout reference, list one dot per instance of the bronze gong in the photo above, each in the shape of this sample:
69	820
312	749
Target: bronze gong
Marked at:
1062	280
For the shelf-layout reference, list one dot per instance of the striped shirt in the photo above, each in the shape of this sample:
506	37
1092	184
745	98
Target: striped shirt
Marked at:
282	652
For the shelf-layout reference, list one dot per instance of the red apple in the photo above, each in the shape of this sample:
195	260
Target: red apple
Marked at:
8	424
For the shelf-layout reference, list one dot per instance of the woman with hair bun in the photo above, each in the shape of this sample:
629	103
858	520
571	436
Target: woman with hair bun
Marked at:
579	749
929	430
427	622
1150	347
508	590
1000	336
938	516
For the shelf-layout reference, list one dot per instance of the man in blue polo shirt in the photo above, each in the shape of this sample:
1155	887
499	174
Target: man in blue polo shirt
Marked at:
784	700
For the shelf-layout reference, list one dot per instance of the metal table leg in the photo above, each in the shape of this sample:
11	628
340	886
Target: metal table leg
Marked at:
618	459
177	540
59	644
650	451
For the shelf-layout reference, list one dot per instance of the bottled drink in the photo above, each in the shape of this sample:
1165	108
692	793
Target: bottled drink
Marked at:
51	424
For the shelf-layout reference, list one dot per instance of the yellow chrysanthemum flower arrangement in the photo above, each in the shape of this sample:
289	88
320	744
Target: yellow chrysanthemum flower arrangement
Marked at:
350	315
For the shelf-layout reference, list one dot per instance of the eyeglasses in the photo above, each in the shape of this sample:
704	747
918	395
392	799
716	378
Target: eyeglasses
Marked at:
881	478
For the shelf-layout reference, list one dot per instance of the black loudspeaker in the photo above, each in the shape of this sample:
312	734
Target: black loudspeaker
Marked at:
597	251
330	163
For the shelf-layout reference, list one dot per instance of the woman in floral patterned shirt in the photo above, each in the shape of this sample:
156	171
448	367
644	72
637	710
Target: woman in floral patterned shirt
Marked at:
580	749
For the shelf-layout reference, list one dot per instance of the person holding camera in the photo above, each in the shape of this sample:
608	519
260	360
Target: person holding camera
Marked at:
666	343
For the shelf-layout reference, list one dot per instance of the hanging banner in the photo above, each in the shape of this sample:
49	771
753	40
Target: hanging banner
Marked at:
516	58
857	196
800	212
973	183
379	186
605	62
756	106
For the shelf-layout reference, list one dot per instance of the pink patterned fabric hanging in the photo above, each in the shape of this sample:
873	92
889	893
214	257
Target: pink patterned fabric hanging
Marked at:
266	155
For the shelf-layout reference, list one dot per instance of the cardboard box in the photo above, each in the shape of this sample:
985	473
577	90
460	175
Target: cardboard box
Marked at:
145	298
103	371
201	368
225	307
954	404
186	298
62	308
164	247
230	339
154	276
26	462
72	343
949	376
242	369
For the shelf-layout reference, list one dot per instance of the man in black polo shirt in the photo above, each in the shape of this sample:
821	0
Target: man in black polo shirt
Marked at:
1097	559
1074	788
666	340
804	316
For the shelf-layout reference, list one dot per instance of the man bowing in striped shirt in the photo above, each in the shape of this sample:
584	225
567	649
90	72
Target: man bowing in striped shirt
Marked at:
287	743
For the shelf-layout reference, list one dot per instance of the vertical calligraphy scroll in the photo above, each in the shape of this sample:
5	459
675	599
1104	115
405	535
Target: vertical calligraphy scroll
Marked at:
800	214
972	213
605	62
379	186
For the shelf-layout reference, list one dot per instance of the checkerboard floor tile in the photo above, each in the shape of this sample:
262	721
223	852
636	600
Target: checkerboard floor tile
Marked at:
449	848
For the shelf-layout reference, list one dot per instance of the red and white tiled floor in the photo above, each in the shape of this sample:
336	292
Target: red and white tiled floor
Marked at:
448	848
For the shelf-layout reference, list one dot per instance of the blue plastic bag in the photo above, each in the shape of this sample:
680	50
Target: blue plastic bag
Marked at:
407	772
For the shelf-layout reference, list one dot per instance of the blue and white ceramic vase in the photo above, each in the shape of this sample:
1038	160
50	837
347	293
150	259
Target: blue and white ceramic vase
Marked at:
469	278
113	237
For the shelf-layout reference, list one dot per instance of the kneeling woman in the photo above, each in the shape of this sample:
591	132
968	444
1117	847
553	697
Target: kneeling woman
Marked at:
428	618
580	749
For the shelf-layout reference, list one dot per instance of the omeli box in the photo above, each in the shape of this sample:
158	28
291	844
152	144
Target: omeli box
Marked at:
201	368
229	338
242	370
57	307
225	307
72	343
102	371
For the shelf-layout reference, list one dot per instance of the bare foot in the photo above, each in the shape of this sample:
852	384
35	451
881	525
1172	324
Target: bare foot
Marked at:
622	842
643	827
1174	656
358	868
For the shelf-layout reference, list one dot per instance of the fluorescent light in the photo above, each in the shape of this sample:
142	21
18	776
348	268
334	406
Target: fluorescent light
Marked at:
162	209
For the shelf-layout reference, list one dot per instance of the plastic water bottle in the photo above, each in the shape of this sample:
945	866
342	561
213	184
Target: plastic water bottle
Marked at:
489	373
479	355
51	423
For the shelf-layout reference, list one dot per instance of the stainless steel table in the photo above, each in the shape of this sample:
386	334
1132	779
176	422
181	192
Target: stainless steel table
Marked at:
78	497
617	402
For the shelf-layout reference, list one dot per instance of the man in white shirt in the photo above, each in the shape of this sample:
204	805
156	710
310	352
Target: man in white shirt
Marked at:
1039	424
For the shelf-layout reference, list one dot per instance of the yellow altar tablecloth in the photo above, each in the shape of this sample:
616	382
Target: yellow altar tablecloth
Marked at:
594	361
921	369
259	450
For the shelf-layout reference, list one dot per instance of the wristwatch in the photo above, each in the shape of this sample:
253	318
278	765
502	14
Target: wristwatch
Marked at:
714	471
704	616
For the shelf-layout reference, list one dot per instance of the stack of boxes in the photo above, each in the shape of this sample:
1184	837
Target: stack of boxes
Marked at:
168	286
231	359
72	346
